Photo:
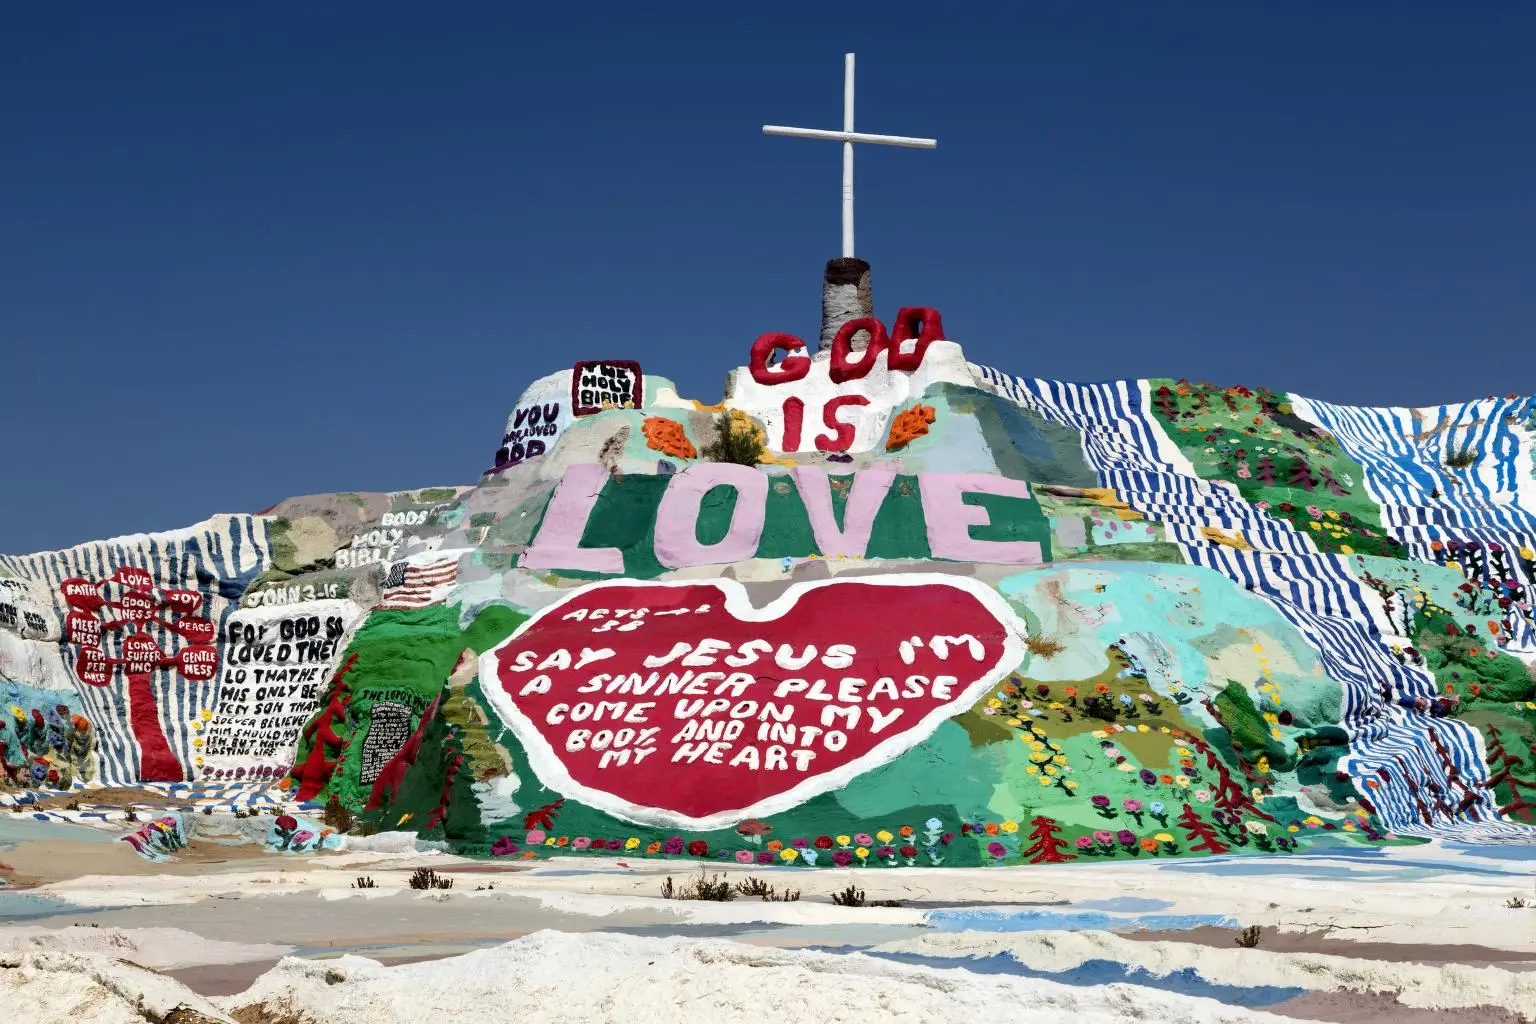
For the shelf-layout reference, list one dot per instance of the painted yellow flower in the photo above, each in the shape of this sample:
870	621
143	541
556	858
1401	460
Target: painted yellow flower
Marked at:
1331	514
994	703
1036	745
1059	759
1348	826
1163	837
1051	770
1014	722
1009	826
1099	734
197	741
862	853
1293	828
1071	784
631	843
1126	767
1181	780
1143	727
1032	769
197	725
884	836
788	854
1047	782
1163	729
206	714
843	840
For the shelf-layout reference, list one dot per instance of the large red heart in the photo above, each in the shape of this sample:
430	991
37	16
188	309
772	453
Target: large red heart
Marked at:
679	704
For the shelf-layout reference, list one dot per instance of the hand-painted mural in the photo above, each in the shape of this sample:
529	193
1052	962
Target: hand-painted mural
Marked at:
880	607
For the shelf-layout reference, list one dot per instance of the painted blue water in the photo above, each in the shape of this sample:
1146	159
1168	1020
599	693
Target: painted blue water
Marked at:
1107	972
16	829
1496	851
21	906
997	920
1125	905
1317	866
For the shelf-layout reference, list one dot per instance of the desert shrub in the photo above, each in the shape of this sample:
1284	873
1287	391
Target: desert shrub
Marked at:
1248	938
1463	459
765	892
426	878
712	890
337	816
741	447
364	882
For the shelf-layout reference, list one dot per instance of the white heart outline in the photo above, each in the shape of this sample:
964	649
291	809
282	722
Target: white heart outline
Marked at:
551	771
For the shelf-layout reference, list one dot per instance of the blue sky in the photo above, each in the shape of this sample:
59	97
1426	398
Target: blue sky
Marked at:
280	249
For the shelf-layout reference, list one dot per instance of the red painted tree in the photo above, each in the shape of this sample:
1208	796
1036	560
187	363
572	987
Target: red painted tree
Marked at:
1330	483
1264	472
1229	794
1301	475
1048	843
314	772
1507	762
146	619
1196	827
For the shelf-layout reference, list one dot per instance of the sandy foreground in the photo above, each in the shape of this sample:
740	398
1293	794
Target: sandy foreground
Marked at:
227	932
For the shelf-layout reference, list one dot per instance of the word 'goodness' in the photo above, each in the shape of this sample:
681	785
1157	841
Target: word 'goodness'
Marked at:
643	526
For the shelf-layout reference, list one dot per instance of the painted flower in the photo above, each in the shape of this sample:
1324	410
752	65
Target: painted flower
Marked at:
825	842
1131	805
862	853
503	847
744	856
906	831
1126	838
535	837
1083	842
788	855
885	851
286	822
698	848
1202	796
654	848
842	841
1010	827
1149	845
764	857
631	843
673	845
990	828
842	858
302	836
775	846
862	839
908	851
997	850
581	843
1258	828
563	841
1103	838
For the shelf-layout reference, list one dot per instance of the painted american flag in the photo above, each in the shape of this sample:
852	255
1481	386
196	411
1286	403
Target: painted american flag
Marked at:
408	585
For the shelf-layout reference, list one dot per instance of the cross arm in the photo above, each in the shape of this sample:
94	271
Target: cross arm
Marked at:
817	133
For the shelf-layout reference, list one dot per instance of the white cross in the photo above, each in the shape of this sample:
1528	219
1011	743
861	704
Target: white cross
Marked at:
848	137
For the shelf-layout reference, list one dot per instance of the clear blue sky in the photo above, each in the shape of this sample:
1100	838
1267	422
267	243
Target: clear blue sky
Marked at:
257	252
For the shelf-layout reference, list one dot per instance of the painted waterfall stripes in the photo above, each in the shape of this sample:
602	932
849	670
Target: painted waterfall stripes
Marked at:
1126	446
1403	452
218	558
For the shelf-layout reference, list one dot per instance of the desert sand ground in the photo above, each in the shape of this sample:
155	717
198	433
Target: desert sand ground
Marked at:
228	932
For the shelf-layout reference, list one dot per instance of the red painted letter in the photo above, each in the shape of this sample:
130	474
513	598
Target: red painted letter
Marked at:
792	368
794	416
841	438
841	370
917	322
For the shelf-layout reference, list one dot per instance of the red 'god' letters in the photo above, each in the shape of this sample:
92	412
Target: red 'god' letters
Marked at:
680	704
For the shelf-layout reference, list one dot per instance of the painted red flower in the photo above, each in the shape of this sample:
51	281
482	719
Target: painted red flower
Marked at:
698	848
823	842
286	822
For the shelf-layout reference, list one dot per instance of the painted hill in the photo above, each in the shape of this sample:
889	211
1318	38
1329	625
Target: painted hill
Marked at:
879	607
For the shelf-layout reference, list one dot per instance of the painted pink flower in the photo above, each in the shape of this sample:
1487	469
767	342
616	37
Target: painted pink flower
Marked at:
535	838
580	843
744	857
